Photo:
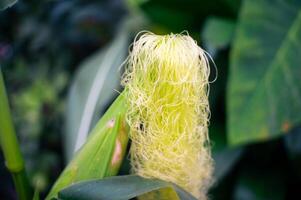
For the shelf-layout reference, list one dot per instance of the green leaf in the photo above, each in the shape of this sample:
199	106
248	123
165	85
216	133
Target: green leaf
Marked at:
91	90
118	188
6	4
264	93
217	33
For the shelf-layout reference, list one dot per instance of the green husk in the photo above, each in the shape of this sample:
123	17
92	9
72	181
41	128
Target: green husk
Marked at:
102	154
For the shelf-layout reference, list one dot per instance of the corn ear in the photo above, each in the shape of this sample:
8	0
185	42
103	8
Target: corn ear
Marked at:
168	113
103	152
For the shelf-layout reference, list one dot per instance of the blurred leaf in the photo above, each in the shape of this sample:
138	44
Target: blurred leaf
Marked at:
224	157
259	186
264	94
225	160
7	3
217	33
118	188
36	195
92	89
292	143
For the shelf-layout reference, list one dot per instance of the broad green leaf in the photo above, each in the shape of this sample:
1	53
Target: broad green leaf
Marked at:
119	188
217	33
103	152
6	4
264	91
91	90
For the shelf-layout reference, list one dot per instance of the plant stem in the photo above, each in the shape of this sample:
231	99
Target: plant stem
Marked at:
22	186
10	146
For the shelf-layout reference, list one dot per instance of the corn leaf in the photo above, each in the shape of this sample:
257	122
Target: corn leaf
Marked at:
6	4
91	90
121	188
264	98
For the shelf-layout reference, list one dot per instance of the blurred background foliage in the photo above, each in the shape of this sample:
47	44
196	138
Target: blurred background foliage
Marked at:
60	61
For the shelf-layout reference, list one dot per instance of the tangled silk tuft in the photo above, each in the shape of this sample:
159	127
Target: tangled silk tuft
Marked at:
166	80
